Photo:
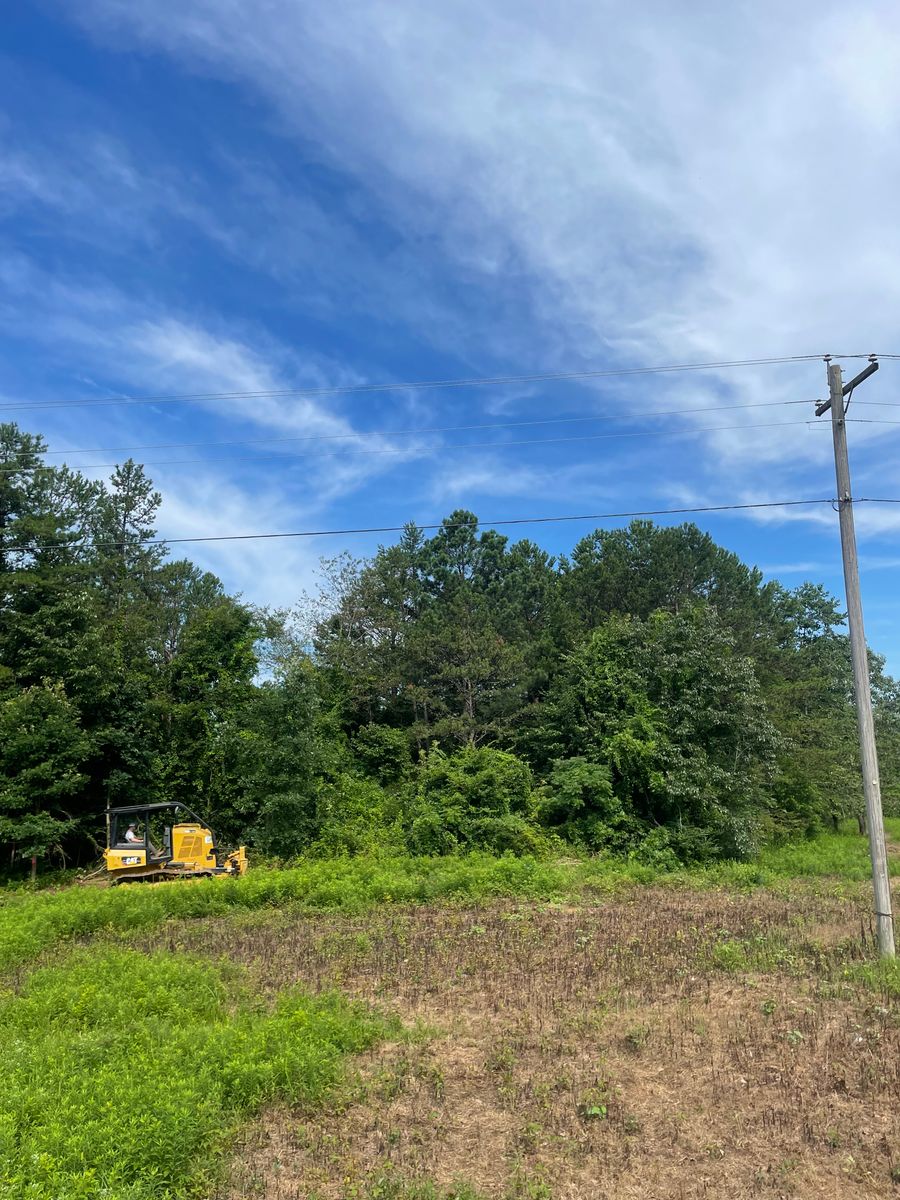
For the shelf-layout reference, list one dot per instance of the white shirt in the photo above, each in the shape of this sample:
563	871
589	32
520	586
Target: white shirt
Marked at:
131	836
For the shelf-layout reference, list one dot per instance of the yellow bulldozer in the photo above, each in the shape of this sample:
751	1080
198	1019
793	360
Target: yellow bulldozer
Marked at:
187	847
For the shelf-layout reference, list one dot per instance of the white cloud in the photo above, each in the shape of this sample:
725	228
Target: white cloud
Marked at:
23	181
172	353
660	187
651	184
488	474
797	568
137	347
207	504
87	184
128	345
871	562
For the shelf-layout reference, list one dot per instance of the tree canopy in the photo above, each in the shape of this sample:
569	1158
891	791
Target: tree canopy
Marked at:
647	694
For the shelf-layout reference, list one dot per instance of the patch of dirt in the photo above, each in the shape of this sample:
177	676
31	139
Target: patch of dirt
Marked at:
584	1053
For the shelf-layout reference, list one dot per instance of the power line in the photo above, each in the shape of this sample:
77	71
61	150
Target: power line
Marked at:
422	450
315	533
361	433
422	385
364	433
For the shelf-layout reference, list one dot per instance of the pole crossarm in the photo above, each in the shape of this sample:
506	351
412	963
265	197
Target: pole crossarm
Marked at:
824	405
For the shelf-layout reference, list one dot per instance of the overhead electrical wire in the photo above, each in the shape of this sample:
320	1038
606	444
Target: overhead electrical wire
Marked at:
361	433
418	451
424	385
315	533
364	433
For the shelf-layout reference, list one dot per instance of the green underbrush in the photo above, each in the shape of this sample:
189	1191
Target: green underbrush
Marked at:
31	923
844	855
126	1075
837	966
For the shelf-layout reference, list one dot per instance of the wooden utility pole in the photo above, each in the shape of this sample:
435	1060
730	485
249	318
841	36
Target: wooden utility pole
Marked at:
884	921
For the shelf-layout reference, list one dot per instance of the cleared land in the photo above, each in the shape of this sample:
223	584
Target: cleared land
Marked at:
659	1044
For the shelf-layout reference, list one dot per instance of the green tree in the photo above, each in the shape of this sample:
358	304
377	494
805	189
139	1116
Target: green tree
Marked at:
887	732
808	683
198	694
467	675
42	754
123	522
267	762
675	714
644	567
438	634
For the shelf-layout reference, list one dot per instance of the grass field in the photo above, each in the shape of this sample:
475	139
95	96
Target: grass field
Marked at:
470	1028
31	922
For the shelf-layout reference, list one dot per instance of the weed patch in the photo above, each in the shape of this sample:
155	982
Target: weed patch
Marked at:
126	1075
843	855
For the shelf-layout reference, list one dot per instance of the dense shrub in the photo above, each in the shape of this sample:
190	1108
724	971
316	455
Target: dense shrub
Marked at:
579	803
383	752
356	815
677	718
477	798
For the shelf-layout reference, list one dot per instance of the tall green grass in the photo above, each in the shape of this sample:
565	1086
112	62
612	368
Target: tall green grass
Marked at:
844	855
32	923
125	1075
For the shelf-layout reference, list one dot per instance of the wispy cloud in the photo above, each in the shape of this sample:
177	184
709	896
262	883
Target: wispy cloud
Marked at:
796	568
490	475
124	345
270	572
655	194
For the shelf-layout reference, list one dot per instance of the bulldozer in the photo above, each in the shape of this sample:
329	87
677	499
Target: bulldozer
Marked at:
188	847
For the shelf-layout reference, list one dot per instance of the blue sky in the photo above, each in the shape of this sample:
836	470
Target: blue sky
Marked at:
211	195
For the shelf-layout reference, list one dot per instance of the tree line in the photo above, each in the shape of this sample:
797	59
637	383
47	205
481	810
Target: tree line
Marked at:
648	694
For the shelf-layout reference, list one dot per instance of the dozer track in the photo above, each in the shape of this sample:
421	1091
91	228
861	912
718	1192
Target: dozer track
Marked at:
156	873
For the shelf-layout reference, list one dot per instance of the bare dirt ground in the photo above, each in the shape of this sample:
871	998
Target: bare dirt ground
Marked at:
663	1044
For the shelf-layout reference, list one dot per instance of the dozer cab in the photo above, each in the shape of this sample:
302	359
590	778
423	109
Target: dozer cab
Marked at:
154	842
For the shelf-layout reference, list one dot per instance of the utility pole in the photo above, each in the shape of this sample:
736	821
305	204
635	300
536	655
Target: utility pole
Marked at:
837	390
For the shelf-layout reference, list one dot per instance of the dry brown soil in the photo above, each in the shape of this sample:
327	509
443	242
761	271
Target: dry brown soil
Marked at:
663	1044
